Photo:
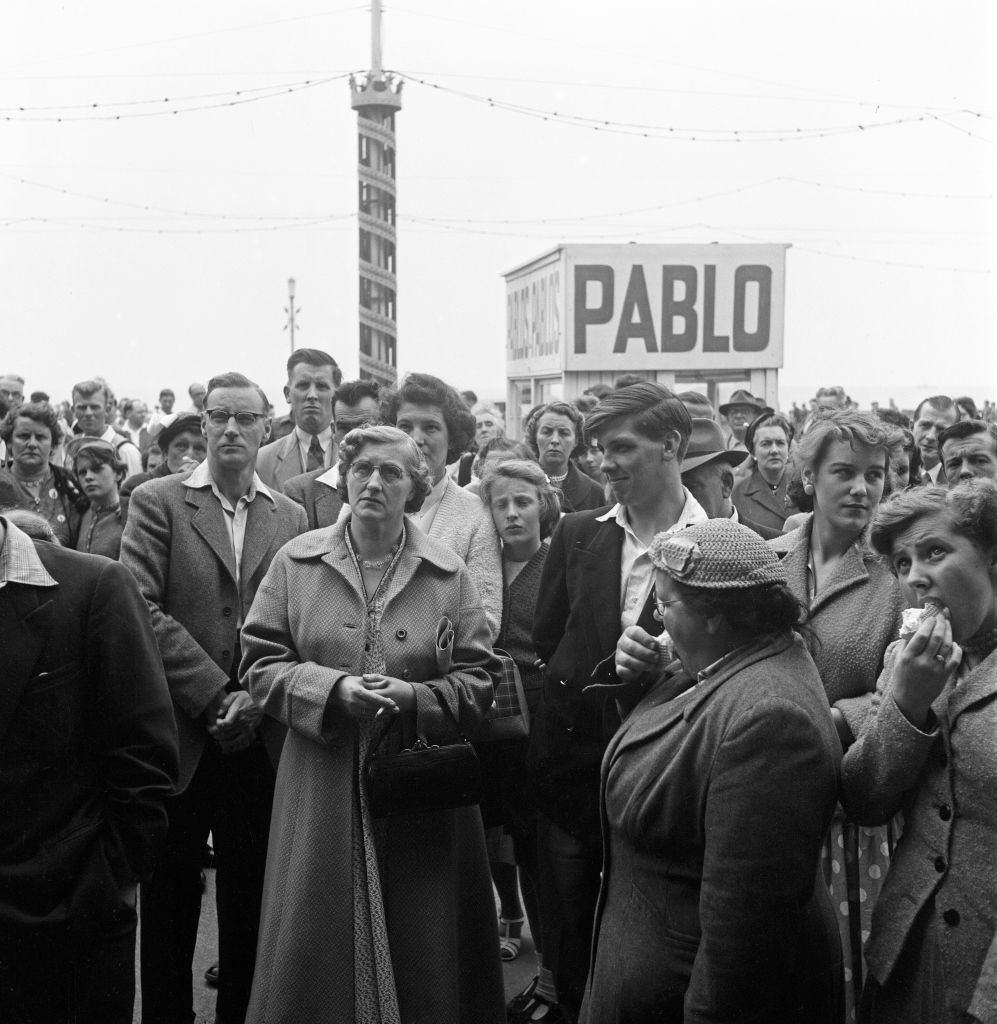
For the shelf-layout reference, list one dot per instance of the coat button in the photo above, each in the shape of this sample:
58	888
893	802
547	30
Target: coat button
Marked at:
226	612
939	864
945	812
226	655
951	917
400	634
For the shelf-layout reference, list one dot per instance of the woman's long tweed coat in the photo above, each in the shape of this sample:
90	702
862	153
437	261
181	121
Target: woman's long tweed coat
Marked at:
304	632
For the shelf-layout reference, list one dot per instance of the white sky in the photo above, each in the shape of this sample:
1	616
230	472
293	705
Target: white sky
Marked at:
149	309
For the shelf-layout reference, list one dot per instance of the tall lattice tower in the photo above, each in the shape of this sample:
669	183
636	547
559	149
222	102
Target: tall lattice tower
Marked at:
376	97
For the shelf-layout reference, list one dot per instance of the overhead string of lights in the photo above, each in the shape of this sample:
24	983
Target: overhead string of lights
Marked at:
312	218
702	134
645	87
172	211
40	224
118	110
868	259
162	107
712	229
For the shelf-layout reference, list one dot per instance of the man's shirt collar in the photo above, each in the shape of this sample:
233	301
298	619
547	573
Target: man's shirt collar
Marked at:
691	514
330	477
19	561
200	477
324	437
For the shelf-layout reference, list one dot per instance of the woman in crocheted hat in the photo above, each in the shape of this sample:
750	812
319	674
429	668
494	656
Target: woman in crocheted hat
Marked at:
928	750
716	793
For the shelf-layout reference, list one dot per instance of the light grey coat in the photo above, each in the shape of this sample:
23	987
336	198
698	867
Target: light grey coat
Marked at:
855	616
463	525
945	782
306	632
279	462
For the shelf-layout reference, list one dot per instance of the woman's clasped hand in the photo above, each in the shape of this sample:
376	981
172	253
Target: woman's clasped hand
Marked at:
373	693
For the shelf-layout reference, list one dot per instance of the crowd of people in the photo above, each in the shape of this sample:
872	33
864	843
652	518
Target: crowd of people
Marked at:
751	659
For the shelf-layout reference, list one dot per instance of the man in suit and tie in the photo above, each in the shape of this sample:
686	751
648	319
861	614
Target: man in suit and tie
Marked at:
931	417
597	581
199	545
312	378
354	404
88	758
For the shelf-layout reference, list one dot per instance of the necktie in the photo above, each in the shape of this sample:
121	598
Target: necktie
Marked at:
316	457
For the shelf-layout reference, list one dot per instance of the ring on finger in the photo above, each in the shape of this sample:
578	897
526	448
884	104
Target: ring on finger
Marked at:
939	656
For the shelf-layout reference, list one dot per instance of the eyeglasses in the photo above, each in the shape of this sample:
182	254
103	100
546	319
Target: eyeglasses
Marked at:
220	417
364	470
660	606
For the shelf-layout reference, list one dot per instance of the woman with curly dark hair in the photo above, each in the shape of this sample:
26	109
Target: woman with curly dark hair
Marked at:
434	415
31	482
927	750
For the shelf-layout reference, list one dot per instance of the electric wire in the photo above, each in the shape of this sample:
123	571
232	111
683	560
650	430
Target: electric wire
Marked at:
240	98
692	134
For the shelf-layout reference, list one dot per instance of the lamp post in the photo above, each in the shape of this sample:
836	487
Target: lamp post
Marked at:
291	311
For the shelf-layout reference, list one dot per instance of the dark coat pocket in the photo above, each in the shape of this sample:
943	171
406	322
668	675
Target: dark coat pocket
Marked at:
48	714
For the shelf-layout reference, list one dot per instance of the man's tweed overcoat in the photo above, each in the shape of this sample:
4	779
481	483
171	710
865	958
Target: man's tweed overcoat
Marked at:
177	547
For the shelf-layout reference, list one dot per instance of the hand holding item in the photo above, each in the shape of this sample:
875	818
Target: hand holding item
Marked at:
924	665
637	653
356	699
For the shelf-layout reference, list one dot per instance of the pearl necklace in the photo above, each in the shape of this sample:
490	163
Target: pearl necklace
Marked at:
556	480
31	483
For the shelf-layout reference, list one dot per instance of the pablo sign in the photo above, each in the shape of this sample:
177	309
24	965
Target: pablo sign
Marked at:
674	307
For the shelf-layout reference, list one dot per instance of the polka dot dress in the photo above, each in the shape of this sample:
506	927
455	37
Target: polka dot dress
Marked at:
854	861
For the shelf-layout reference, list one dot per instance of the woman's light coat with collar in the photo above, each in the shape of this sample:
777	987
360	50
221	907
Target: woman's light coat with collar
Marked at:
304	633
855	616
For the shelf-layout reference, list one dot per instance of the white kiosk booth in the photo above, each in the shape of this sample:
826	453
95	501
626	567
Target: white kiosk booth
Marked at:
684	315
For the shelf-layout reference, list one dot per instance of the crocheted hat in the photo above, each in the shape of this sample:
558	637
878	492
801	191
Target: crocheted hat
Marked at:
717	555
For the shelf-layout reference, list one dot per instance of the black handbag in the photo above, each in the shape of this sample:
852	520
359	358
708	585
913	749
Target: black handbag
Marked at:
425	777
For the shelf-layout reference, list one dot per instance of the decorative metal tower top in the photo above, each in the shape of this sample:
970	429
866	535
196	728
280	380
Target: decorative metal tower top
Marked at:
375	97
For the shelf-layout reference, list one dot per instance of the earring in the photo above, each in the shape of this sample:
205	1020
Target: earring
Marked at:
808	488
